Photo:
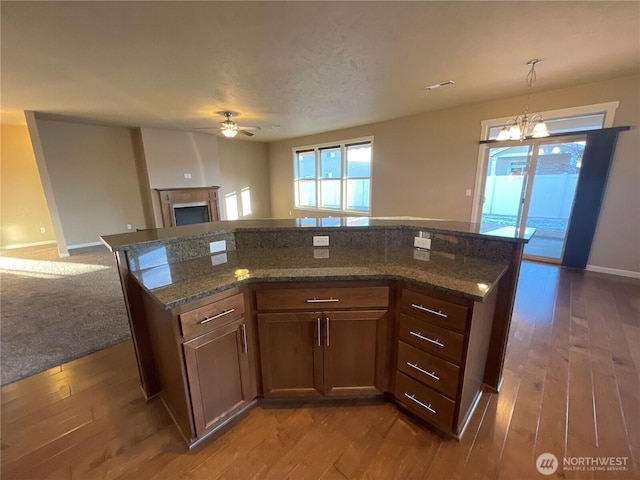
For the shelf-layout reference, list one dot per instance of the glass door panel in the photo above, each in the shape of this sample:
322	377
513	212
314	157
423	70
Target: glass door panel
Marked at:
556	167
505	186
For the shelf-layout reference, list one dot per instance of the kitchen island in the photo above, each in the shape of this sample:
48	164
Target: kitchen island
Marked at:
224	313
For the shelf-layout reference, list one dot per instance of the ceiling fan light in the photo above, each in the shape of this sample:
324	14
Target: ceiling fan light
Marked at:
228	132
540	130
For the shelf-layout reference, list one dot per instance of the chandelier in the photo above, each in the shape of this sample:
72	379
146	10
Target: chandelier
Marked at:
522	126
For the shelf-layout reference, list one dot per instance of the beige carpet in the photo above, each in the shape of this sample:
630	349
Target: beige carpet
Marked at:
53	310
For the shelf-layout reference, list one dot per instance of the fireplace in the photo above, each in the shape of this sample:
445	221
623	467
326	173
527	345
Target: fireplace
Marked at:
188	213
185	206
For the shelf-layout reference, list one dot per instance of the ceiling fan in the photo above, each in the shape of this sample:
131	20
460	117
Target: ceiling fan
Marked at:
230	129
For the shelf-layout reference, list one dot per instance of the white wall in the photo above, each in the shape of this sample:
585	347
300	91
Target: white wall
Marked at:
244	166
93	179
170	154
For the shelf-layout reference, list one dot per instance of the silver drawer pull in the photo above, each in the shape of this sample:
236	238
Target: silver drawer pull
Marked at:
431	374
413	397
422	337
245	347
428	310
323	300
222	314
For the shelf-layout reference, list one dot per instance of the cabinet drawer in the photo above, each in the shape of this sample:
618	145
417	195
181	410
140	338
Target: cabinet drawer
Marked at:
445	313
322	298
428	369
211	316
426	402
431	338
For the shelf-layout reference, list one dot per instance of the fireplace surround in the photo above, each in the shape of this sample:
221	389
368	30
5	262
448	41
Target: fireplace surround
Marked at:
189	205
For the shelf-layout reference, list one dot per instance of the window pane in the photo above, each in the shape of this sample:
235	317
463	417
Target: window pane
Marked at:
330	193
358	195
359	161
575	123
307	193
330	162
305	165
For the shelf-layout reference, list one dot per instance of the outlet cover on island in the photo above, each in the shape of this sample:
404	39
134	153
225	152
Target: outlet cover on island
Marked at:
219	246
321	240
424	243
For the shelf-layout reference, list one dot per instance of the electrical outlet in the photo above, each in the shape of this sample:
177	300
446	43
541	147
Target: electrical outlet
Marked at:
187	175
468	192
129	227
321	240
420	242
219	246
43	230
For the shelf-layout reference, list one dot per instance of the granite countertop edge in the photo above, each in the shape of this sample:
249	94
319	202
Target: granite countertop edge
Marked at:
170	304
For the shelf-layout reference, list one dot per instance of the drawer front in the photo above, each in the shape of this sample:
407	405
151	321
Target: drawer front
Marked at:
322	298
444	313
431	338
209	317
428	369
426	402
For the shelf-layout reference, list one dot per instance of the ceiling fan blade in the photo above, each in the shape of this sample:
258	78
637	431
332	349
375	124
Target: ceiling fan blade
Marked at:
244	132
250	128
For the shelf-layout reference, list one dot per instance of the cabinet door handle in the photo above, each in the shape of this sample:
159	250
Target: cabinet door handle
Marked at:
422	337
222	314
413	397
323	300
431	374
428	310
244	338
319	331
327	331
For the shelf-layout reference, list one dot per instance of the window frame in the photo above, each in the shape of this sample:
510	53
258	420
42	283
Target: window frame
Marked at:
317	149
608	108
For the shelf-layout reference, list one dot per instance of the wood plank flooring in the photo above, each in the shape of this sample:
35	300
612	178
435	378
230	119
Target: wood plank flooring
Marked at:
571	388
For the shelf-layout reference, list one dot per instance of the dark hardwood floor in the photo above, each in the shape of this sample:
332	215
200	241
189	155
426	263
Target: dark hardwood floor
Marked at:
571	388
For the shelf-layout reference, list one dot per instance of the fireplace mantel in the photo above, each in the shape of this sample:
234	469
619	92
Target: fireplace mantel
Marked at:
170	197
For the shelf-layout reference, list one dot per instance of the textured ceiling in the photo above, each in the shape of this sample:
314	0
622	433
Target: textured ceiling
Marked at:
306	66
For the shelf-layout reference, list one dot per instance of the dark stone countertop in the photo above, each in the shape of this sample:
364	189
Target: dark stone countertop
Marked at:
181	282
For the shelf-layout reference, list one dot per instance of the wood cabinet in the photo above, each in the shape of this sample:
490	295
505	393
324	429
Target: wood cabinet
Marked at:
204	353
217	361
442	345
330	352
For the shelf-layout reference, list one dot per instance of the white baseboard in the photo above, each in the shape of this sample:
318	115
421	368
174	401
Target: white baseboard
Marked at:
82	245
613	271
24	245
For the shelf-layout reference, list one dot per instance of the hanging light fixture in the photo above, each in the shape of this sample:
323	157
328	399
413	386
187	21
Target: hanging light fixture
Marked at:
522	126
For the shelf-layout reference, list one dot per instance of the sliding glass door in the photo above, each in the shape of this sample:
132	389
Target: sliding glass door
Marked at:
533	184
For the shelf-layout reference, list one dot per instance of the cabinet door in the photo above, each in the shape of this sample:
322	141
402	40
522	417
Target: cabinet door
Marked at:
217	366
355	352
291	354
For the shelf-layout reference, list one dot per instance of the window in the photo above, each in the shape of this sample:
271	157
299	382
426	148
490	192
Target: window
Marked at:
334	177
576	119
